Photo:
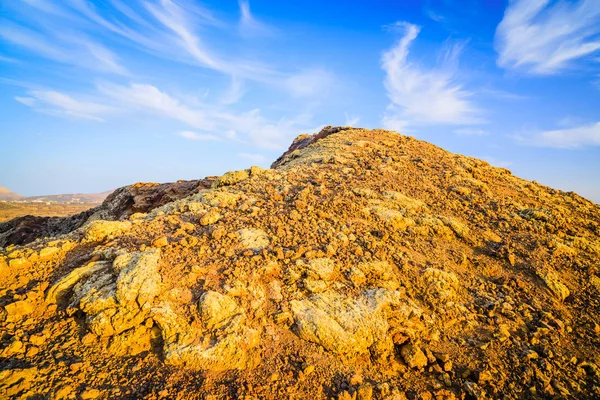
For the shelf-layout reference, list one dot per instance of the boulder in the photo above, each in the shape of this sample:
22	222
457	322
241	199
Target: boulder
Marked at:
66	283
225	342
216	309
100	230
551	278
350	326
231	178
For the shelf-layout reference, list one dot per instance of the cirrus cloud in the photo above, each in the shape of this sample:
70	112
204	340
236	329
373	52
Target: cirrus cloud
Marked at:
543	37
569	138
421	95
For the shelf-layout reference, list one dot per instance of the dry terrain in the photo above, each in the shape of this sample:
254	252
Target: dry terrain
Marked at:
10	210
362	265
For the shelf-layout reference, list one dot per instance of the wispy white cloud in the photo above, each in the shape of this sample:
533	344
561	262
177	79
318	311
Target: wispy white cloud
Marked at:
394	123
253	157
424	95
172	17
568	138
265	132
234	93
249	25
435	16
179	31
8	59
60	104
28	101
66	48
544	37
150	98
183	33
210	118
205	137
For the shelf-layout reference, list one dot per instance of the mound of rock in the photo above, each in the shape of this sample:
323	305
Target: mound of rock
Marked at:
362	265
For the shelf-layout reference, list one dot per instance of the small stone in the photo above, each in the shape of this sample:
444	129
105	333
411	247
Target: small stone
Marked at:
315	285
491	237
345	395
65	392
17	310
511	259
503	331
37	340
160	242
356	379
17	262
210	217
283	318
90	394
531	355
32	351
364	392
48	252
309	370
75	366
356	276
218	233
89	338
413	356
16	347
448	366
254	239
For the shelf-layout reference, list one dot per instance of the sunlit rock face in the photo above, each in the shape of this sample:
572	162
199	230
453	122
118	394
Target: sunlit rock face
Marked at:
364	264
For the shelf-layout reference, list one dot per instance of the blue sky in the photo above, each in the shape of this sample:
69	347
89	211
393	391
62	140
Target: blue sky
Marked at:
100	94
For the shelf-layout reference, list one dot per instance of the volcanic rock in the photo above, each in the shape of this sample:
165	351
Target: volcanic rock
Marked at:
362	265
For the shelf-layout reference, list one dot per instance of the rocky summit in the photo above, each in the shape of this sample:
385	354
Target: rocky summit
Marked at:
363	265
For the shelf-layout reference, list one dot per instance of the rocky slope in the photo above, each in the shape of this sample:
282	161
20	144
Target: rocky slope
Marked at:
120	204
364	265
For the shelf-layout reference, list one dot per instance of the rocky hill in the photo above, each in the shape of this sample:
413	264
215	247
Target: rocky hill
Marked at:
363	265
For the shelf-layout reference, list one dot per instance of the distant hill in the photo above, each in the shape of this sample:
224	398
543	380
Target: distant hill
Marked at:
9	195
69	198
96	198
